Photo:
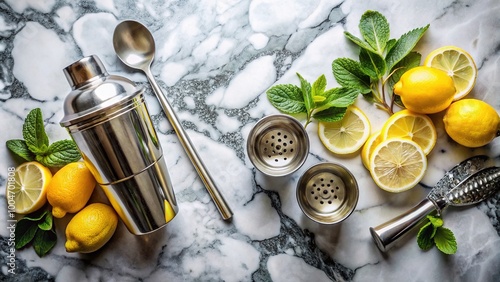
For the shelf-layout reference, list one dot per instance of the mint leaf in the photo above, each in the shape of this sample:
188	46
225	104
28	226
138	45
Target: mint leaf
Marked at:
341	97
435	221
445	241
425	236
359	42
404	45
348	73
287	98
19	147
410	61
44	241
375	30
318	87
306	92
46	224
34	132
25	232
60	153
331	114
372	64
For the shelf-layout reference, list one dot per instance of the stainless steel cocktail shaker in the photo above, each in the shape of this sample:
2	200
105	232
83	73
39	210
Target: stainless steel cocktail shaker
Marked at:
107	117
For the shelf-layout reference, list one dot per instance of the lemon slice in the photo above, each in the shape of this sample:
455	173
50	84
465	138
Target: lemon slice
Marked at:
30	187
347	135
397	165
409	125
458	64
368	147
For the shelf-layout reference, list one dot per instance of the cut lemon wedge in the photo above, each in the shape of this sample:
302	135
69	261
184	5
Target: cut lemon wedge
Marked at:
368	147
30	187
397	165
347	135
458	64
409	125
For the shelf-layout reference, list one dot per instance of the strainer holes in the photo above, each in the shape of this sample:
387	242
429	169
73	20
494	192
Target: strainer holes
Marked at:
279	140
284	150
279	133
333	191
319	189
312	192
325	192
335	197
316	198
291	150
337	187
330	202
272	136
276	160
284	136
278	147
291	142
322	179
284	159
328	185
321	202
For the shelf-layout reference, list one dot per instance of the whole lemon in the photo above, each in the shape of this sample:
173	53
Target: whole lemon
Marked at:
471	122
91	228
70	189
425	90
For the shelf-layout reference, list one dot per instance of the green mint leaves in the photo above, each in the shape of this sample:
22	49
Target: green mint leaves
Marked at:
380	58
313	100
38	229
35	145
382	61
433	233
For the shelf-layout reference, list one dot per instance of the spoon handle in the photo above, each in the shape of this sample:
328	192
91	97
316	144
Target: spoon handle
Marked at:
216	196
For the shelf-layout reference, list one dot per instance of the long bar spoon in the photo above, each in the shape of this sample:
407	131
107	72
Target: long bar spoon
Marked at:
135	46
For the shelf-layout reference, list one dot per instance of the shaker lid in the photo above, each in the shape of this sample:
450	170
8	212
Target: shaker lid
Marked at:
94	90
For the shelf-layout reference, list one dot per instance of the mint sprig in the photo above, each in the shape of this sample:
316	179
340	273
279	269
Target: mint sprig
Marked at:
38	229
313	100
35	145
381	59
433	233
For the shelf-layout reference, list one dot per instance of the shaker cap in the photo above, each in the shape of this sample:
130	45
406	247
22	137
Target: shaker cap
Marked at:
94	90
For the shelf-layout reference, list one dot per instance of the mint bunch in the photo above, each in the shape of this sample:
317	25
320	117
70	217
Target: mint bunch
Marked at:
433	233
38	229
36	147
313	100
381	60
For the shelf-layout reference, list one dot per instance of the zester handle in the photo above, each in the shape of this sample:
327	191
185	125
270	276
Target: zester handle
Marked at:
386	234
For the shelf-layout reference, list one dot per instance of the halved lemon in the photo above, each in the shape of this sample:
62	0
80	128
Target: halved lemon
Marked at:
397	164
368	147
458	64
30	187
347	135
409	125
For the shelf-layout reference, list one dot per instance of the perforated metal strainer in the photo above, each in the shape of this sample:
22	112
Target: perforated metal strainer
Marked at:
327	193
277	145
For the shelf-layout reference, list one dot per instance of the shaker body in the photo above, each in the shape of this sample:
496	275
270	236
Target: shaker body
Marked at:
108	119
125	156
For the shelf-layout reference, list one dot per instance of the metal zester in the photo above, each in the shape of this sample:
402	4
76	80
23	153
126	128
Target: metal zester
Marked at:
468	183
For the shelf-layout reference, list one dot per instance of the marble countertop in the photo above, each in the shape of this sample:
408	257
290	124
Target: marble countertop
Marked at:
216	59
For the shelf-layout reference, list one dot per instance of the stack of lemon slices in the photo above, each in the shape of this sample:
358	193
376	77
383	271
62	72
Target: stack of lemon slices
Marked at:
396	156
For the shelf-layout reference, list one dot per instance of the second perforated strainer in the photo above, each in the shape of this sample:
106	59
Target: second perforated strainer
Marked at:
327	193
277	145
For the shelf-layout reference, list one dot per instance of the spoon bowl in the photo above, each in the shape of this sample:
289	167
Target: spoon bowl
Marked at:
134	44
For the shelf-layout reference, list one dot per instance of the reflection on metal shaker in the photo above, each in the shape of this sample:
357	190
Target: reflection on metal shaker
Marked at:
107	117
